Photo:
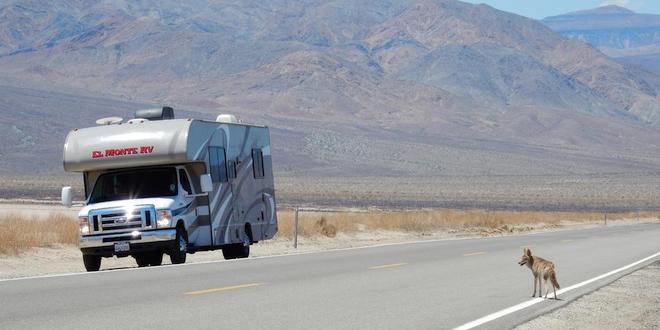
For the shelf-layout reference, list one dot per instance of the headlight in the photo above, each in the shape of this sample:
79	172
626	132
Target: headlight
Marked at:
84	225
164	219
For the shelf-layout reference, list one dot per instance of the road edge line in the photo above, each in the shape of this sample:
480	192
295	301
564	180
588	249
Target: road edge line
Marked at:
528	303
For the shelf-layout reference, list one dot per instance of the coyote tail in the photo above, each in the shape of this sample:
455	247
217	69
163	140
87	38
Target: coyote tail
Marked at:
553	279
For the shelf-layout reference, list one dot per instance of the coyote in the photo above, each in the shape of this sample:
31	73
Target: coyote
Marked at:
541	269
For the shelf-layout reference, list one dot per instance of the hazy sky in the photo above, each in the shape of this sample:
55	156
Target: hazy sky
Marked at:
544	8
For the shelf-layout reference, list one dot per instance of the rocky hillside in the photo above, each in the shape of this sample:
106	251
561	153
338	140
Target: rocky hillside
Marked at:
397	87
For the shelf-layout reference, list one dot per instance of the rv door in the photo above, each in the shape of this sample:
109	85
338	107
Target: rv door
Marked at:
233	183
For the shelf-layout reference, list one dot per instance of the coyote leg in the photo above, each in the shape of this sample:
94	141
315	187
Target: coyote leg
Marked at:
542	285
535	280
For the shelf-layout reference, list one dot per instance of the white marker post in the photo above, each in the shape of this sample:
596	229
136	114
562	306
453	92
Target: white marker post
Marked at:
295	229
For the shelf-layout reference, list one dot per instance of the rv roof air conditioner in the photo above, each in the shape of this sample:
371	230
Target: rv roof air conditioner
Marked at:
224	118
109	121
163	113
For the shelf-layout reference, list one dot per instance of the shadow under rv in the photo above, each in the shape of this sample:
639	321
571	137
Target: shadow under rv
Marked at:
156	185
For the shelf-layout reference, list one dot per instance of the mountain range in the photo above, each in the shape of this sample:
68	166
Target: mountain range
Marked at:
616	31
350	88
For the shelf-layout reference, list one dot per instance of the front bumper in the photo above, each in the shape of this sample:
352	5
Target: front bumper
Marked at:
140	241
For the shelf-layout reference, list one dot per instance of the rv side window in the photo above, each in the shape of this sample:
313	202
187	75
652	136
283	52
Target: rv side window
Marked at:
185	183
218	162
258	163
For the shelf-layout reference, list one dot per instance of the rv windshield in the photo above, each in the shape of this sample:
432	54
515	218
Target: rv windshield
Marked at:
146	183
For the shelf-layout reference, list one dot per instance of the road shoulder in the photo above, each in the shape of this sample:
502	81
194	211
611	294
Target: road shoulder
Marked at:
631	302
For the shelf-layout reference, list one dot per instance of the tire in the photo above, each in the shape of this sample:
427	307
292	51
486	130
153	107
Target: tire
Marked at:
141	260
92	262
180	247
149	259
156	259
242	251
236	251
228	252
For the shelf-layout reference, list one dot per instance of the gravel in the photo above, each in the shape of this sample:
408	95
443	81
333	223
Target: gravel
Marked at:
631	302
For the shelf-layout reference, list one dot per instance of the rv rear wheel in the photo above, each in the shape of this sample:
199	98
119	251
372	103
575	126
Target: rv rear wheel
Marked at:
234	251
242	251
92	262
228	252
180	247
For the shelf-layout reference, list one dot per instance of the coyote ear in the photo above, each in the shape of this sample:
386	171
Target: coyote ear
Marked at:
528	252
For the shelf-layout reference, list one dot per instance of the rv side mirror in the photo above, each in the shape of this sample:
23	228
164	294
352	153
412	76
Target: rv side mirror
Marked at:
206	183
67	196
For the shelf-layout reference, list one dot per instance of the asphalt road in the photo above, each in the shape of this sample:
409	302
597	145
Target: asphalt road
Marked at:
436	284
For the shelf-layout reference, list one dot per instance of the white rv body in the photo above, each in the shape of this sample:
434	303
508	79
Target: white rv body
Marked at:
139	174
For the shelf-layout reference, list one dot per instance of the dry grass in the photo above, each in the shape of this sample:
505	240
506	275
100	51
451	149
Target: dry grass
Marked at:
331	223
18	233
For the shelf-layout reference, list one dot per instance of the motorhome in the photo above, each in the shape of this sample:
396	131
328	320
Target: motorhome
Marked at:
156	185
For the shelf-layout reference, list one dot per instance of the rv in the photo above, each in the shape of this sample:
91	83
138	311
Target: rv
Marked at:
156	185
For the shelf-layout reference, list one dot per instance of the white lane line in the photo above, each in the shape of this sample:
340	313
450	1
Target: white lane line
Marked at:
535	301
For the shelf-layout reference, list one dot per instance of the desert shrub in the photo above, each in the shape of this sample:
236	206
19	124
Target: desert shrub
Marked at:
19	233
313	223
325	228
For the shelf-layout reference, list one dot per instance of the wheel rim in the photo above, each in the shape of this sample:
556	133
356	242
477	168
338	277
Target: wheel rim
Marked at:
183	245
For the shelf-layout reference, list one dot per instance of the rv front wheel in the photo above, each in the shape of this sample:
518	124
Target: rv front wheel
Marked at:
141	261
92	263
156	259
180	247
149	259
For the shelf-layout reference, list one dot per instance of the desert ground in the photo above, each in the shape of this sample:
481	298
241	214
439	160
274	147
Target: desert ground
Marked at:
594	192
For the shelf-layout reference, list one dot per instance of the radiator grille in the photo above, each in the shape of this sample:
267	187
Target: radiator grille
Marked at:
123	219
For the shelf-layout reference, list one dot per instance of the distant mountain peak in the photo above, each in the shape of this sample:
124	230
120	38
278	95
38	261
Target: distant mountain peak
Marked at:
604	10
616	31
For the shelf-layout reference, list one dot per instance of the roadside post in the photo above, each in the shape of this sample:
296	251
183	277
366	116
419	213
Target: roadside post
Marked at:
295	229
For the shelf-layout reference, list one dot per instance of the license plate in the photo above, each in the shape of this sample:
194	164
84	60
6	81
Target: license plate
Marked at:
122	247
